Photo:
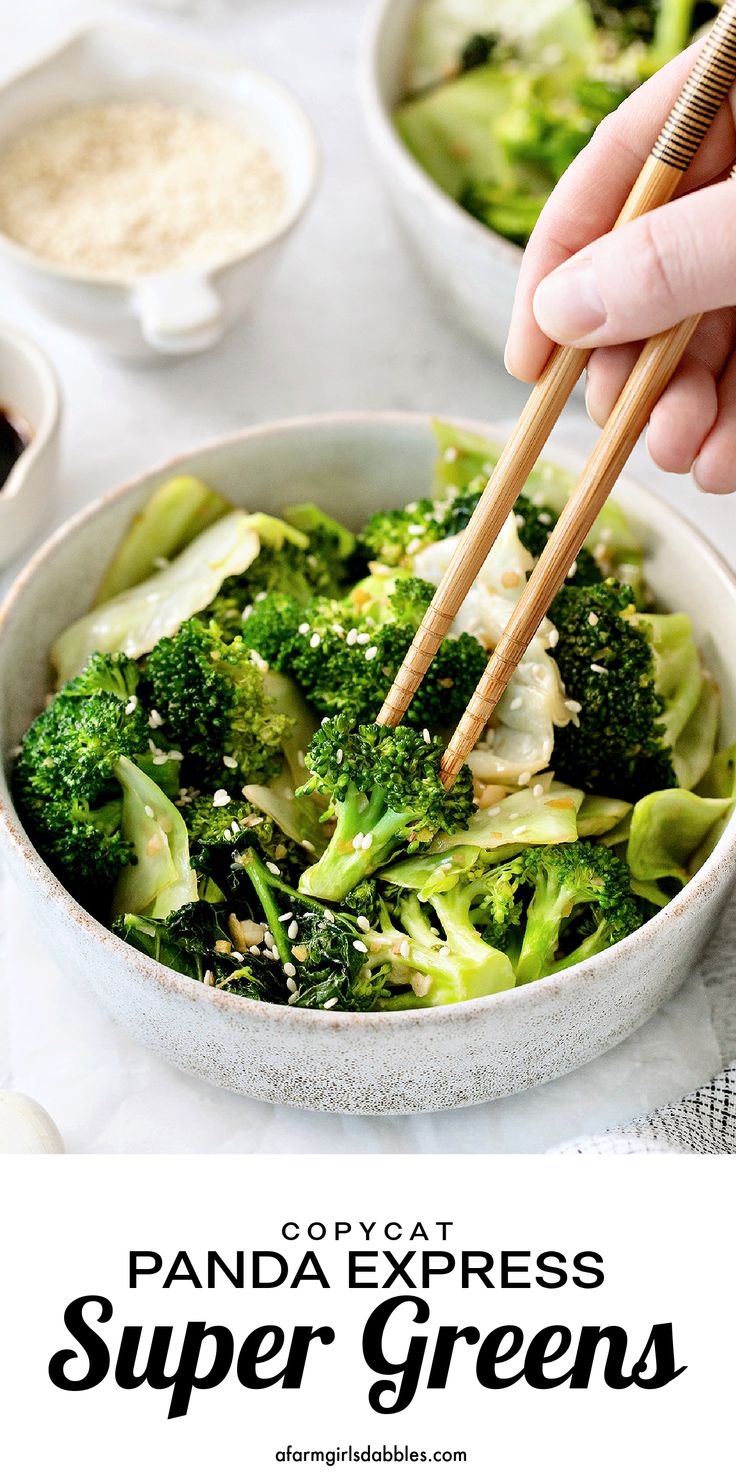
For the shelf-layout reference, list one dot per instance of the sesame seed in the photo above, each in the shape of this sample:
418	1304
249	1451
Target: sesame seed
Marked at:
221	798
303	628
339	755
360	945
519	520
291	985
229	762
372	652
450	454
413	546
554	638
289	968
247	611
426	737
404	949
160	759
352	637
363	923
131	706
268	939
516	703
173	756
160	563
491	813
517	832
358	841
574	706
329	916
148	810
315	641
415	531
544	518
308	846
260	597
286	916
293	999
227	835
367	840
523	779
444	950
420	984
363	639
208	978
599	669
273	868
538	789
593	619
331	1002
293	930
254	950
235	826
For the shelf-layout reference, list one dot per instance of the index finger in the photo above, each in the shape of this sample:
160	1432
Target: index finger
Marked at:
588	199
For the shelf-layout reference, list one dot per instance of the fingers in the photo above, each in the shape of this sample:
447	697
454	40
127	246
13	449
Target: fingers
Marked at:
715	467
580	210
648	275
688	408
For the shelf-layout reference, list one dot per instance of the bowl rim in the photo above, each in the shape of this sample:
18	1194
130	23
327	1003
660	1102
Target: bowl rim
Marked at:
166	980
207	59
389	142
22	346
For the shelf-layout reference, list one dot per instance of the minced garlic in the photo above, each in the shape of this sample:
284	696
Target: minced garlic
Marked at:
128	189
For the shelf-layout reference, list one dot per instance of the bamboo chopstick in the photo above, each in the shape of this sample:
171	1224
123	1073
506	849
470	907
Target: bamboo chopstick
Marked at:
702	95
647	381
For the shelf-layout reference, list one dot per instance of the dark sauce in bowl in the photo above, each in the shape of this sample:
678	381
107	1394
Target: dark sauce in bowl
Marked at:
14	439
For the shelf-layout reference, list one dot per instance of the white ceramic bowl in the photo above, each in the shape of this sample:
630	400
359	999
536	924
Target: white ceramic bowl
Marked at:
474	271
28	386
365	1063
176	313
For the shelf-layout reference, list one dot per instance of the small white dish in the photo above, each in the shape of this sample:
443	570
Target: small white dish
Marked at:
179	312
474	271
28	388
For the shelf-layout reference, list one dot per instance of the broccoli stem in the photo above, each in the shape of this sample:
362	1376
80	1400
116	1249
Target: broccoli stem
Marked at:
263	885
343	865
550	905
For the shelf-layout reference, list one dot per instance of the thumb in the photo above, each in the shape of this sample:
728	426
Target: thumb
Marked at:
647	275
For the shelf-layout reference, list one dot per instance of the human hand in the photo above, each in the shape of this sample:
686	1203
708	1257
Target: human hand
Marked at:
608	291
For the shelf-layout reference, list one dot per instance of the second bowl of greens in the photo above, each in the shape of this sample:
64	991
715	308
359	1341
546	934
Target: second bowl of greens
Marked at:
477	107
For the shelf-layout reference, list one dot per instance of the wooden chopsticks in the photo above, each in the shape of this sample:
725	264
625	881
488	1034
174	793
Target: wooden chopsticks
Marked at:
712	76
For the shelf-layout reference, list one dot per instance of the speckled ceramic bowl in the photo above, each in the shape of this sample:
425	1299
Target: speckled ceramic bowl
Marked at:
397	1063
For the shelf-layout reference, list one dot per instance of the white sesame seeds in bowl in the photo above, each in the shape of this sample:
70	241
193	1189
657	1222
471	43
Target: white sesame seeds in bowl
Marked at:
371	1063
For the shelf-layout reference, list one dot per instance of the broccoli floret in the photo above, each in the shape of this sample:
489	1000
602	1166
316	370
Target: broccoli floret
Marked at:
343	659
581	903
385	792
270	627
211	697
314	559
636	679
65	782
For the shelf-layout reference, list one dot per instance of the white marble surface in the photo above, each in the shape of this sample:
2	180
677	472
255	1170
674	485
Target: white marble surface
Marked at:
345	325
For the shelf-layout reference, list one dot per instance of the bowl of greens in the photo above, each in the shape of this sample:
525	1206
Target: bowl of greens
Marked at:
477	107
278	895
